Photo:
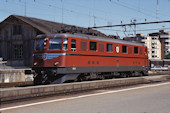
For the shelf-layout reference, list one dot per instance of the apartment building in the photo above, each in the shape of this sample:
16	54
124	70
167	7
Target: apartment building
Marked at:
166	38
158	43
154	45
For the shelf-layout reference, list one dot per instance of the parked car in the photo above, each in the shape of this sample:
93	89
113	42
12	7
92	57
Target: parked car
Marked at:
1	59
159	68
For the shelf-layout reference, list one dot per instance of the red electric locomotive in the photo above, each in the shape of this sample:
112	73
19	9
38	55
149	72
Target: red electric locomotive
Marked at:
62	57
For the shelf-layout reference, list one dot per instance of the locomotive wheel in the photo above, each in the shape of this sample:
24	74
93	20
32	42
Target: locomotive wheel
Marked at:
80	78
46	79
38	80
145	73
102	77
129	74
123	75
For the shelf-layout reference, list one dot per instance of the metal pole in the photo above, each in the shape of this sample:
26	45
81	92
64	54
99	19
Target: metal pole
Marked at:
25	7
157	11
135	29
62	12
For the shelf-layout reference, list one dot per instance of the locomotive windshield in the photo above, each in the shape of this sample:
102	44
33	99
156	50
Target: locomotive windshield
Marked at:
40	44
55	43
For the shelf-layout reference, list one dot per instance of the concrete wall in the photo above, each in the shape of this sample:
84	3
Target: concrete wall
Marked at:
17	75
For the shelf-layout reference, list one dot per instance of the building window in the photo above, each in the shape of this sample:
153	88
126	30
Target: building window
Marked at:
83	45
101	47
109	48
154	56
18	51
136	50
93	46
153	47
73	45
124	49
17	29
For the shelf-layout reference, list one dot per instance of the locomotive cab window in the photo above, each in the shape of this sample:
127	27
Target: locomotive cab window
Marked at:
40	44
73	45
109	48
135	50
65	43
124	49
55	43
93	46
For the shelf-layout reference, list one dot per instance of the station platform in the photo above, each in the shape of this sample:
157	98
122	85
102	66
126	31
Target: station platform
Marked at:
10	74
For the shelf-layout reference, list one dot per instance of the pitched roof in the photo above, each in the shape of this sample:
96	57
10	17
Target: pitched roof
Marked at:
48	27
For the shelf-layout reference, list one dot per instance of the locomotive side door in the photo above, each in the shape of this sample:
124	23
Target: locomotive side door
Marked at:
117	60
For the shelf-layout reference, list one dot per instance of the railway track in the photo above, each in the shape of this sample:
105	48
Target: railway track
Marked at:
30	83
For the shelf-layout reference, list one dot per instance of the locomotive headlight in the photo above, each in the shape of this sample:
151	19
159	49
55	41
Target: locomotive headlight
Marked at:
56	63
35	63
45	39
45	43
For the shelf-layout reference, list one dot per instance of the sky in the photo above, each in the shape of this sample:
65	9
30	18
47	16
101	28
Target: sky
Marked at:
90	13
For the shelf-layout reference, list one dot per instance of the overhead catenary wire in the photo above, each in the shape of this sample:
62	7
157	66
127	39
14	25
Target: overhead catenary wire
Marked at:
133	9
45	5
119	25
136	30
71	11
138	8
